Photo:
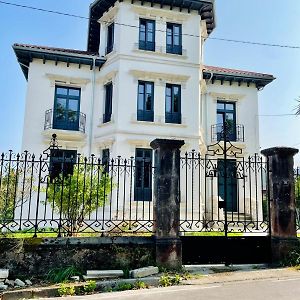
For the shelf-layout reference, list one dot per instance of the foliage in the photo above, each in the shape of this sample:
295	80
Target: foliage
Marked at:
138	285
90	286
12	191
168	280
292	259
65	290
75	196
124	286
63	274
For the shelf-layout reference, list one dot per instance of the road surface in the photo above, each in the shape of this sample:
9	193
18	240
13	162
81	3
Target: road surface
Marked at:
268	289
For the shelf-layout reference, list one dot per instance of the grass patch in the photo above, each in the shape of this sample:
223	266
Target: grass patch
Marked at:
212	233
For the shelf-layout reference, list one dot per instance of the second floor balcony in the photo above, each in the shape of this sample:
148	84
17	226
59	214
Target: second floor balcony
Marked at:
232	133
68	120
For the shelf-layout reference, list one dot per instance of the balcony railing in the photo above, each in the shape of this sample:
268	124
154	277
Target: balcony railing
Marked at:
234	133
67	120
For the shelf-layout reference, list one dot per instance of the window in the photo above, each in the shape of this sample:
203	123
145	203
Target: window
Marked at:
143	175
110	38
61	162
226	114
105	160
174	38
147	35
66	108
108	103
173	103
145	101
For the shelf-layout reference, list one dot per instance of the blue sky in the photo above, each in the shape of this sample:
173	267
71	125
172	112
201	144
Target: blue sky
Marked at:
267	21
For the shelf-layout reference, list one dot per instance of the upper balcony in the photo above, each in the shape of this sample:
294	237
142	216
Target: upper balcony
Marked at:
70	124
234	133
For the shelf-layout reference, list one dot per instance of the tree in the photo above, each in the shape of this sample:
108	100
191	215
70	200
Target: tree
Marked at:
14	190
74	197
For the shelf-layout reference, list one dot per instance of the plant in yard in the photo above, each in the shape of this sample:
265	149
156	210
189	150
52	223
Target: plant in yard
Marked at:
168	280
138	285
66	290
58	275
90	286
14	189
124	287
76	196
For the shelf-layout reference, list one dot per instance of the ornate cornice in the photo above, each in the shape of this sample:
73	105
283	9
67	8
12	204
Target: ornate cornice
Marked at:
226	96
159	77
159	14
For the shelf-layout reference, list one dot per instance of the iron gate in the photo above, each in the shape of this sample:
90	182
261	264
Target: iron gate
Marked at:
224	194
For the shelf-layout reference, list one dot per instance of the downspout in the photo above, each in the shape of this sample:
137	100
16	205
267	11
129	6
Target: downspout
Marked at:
90	136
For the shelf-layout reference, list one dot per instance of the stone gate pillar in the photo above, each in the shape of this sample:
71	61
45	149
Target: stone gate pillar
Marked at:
167	202
282	201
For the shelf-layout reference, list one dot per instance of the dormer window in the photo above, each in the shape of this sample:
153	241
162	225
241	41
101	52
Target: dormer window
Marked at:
174	38
147	35
110	38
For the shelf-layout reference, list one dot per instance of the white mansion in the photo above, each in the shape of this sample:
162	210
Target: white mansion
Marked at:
142	77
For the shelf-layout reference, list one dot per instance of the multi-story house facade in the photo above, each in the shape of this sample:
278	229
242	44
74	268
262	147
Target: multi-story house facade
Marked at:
142	77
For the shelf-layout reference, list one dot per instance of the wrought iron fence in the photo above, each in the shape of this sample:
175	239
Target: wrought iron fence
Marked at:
69	196
205	207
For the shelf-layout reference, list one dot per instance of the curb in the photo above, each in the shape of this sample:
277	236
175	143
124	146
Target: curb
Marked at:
51	292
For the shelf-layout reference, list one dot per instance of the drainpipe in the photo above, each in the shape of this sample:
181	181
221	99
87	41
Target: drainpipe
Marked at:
91	114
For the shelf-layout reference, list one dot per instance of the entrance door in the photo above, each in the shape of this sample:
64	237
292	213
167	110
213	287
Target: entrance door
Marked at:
231	183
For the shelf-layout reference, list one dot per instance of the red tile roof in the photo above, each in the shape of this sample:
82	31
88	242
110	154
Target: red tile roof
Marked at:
45	48
219	70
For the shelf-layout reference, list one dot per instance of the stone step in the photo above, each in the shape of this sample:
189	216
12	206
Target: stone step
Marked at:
4	273
98	274
144	272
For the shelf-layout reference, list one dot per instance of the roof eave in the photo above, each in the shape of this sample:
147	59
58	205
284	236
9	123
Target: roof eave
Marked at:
25	57
260	82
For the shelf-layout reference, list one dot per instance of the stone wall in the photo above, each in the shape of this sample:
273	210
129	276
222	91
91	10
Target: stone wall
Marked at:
35	257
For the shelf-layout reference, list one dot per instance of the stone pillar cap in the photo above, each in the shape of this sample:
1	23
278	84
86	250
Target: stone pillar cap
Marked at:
169	144
279	150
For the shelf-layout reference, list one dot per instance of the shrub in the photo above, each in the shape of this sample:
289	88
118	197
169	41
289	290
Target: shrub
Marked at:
65	290
63	274
90	286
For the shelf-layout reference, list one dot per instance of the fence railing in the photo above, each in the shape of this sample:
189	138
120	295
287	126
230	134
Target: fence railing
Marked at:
72	196
297	196
215	198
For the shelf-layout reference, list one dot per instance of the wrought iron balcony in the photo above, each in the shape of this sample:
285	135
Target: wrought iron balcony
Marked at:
65	120
233	133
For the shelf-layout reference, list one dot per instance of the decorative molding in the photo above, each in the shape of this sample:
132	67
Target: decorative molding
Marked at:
106	143
160	14
139	143
160	51
159	77
225	96
75	81
204	33
109	77
109	16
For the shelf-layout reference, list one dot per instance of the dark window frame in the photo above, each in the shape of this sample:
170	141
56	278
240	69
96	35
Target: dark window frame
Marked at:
108	102
105	159
110	38
143	174
145	44
231	126
61	162
145	114
66	124
172	48
173	116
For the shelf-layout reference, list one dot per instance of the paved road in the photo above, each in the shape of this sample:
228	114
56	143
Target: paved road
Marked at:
270	289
